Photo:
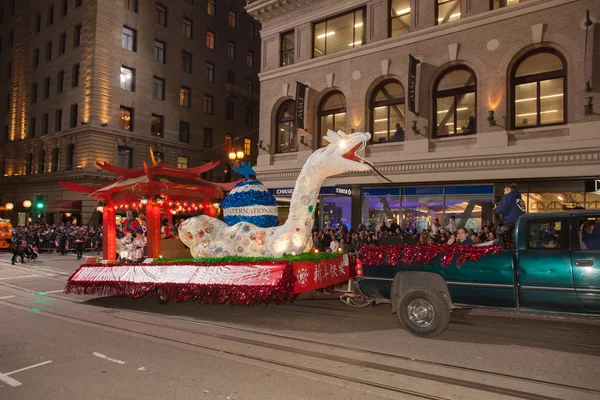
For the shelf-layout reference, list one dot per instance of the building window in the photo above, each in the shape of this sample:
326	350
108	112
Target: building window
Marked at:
11	38
32	126
58	120
78	3
332	115
228	143
77	37
454	102
34	92
229	110
75	76
74	117
157	127
60	82
131	5
399	17
41	168
62	43
502	3
208	137
50	14
126	118
38	23
231	50
387	113
251	29
247	147
286	136
538	89
340	33
124	157
232	19
127	78
184	96
249	117
211	7
55	159
184	132
46	87
210	39
287	49
250	59
158	88
29	164
208	104
161	15
70	157
231	77
447	11
187	28
49	51
186	62
128	39
36	57
45	120
182	162
209	71
250	85
64	7
159	51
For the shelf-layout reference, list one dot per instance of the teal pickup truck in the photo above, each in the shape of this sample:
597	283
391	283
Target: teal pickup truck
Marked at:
550	270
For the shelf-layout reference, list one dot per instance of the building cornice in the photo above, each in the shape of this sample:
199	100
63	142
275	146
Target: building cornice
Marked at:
389	44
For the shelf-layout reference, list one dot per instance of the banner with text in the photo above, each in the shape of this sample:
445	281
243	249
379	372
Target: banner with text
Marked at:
301	102
413	82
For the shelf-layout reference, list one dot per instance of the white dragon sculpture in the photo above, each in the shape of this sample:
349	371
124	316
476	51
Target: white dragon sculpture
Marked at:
210	237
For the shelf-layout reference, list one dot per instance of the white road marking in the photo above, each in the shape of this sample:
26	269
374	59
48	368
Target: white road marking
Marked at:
31	366
19	277
13	382
141	368
55	291
100	355
6	297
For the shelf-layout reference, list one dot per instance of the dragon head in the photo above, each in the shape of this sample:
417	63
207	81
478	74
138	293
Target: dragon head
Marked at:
339	156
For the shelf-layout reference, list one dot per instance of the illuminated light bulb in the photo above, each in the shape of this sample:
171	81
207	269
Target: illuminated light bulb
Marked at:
316	250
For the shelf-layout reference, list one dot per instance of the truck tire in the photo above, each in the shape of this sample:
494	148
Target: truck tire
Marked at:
423	312
161	297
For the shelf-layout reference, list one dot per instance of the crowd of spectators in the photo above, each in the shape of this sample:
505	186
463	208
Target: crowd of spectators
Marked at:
58	238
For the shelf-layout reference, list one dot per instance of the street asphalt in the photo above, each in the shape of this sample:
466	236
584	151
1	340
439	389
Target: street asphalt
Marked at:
57	346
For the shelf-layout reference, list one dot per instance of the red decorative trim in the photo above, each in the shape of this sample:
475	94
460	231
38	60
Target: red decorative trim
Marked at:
424	254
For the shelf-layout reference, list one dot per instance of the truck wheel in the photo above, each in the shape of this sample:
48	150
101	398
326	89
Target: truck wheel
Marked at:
161	297
423	312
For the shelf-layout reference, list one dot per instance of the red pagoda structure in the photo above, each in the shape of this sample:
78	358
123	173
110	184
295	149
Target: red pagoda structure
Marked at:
160	189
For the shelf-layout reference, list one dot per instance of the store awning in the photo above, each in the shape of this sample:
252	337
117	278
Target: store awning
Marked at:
64	205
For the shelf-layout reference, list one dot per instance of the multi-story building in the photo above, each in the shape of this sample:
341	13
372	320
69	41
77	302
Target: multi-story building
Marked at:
84	81
461	98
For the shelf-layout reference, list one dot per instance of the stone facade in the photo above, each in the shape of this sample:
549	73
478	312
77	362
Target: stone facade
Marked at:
95	133
487	41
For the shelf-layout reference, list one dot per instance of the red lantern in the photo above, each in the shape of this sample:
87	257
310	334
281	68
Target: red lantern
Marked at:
185	204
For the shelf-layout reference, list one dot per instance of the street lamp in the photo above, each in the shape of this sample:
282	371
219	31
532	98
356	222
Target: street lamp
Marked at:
27	203
236	156
9	206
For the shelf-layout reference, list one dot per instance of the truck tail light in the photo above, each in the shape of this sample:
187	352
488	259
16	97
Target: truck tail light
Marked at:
359	268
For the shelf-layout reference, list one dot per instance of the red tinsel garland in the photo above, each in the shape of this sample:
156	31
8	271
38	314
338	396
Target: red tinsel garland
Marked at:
424	254
179	292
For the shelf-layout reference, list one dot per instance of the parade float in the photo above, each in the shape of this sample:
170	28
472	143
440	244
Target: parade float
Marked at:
243	259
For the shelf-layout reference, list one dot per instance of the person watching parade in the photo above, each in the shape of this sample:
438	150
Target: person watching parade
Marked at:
511	206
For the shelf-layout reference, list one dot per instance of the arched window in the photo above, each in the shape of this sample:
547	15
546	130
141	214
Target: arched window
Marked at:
538	89
332	115
454	100
287	135
387	112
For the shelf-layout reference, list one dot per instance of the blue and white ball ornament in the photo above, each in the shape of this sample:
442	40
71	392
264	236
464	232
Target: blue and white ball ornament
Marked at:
250	202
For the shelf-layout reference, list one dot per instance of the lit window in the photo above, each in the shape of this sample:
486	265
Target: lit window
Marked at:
158	88
128	40
399	17
454	102
250	59
287	49
184	97
332	115
340	33
157	127
161	15
127	79
211	7
503	3
182	162
247	147
287	135
126	119
210	39
448	11
232	19
539	82
187	28
387	113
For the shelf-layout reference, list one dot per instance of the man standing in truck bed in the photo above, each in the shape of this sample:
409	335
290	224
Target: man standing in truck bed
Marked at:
511	206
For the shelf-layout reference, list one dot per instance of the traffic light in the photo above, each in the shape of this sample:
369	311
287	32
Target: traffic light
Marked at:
39	203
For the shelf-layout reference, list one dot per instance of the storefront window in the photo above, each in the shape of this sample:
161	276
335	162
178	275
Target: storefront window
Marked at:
549	202
380	205
336	210
420	206
592	201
